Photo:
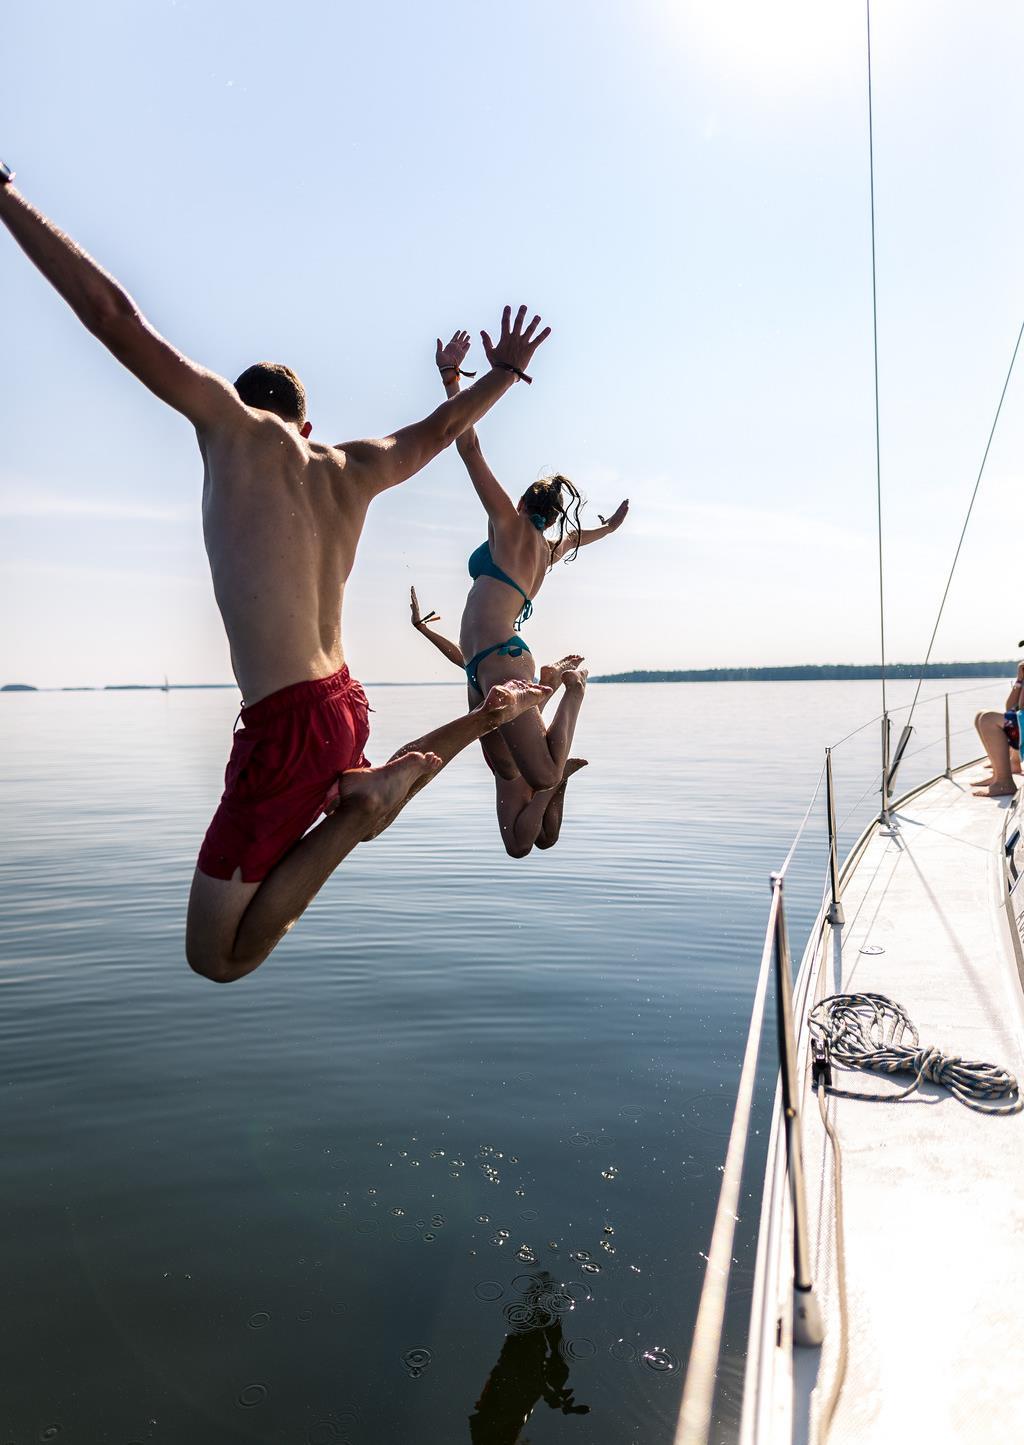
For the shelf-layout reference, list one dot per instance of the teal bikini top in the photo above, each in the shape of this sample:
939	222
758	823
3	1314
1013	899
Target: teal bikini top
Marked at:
482	564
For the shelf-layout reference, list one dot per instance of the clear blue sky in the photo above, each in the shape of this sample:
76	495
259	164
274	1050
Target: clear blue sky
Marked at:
680	188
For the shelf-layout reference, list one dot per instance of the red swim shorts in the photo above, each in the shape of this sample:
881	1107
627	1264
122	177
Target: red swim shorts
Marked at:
283	773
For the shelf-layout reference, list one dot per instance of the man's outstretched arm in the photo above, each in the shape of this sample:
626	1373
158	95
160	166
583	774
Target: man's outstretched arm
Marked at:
111	315
390	460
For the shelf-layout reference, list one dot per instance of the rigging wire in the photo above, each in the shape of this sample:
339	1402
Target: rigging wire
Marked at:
874	325
970	509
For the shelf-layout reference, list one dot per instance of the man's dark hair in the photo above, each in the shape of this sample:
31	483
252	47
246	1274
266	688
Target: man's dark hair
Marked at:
269	386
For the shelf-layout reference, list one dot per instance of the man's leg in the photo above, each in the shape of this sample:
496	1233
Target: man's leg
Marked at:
232	926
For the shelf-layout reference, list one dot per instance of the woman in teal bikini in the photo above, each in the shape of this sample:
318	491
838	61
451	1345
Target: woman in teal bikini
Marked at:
508	571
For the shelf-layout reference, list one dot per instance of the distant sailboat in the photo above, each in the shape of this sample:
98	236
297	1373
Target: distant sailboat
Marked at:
167	686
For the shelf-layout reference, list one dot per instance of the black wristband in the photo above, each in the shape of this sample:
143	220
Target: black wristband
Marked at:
457	370
507	366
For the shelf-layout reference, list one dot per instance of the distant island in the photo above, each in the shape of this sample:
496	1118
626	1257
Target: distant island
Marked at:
18	687
818	672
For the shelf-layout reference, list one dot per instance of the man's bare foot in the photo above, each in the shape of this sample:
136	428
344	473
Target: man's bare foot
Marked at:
383	792
995	790
551	673
508	699
575	680
573	765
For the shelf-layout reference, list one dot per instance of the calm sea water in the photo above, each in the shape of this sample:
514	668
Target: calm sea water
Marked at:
326	1203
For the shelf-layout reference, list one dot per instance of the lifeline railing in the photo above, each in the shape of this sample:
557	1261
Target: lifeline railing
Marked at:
695	1415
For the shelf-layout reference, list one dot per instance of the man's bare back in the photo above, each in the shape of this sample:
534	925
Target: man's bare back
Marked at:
282	518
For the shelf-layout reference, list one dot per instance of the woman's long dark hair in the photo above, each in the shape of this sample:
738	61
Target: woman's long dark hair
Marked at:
555	499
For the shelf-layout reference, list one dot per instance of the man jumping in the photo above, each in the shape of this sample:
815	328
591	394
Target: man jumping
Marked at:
282	518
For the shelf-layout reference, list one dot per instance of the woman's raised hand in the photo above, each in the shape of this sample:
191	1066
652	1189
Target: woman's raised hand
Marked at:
617	518
450	358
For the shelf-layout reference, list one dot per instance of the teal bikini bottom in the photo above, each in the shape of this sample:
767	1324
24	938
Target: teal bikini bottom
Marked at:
514	647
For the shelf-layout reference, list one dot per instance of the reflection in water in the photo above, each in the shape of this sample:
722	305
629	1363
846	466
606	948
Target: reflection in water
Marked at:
532	1366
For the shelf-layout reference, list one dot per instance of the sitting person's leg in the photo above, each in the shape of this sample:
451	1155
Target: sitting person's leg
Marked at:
992	732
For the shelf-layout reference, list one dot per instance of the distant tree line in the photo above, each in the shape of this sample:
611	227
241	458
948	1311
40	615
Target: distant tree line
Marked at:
819	672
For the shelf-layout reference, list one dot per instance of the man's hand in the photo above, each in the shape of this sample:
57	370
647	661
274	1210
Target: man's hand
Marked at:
1020	673
450	358
515	347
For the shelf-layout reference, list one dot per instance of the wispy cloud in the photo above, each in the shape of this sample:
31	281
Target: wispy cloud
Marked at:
28	501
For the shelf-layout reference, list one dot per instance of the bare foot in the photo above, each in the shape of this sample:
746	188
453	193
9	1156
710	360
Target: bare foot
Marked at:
575	680
995	790
573	765
383	792
551	673
508	699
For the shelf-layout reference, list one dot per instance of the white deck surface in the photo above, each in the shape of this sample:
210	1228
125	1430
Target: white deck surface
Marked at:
934	1192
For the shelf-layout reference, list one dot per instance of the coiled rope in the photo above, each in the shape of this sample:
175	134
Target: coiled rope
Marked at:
867	1031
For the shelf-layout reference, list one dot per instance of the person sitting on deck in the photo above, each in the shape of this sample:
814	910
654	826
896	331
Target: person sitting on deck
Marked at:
1000	736
508	571
282	517
526	816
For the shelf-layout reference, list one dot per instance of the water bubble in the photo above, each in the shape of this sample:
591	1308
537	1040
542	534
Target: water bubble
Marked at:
416	1361
49	1432
252	1395
457	1163
589	1268
438	1221
528	1215
580	1255
520	1193
259	1320
530	1284
556	1302
414	1163
553	1246
608	1248
582	1138
421	1224
483	1219
513	1158
526	1254
437	1153
371	1191
622	1351
398	1211
406	1233
521	1316
379	1143
608	1229
304	1316
660	1360
634	1269
428	1237
488	1290
610	1173
581	1349
338	1308
502	1237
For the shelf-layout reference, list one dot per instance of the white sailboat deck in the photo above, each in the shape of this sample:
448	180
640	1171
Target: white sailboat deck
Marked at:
933	1191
